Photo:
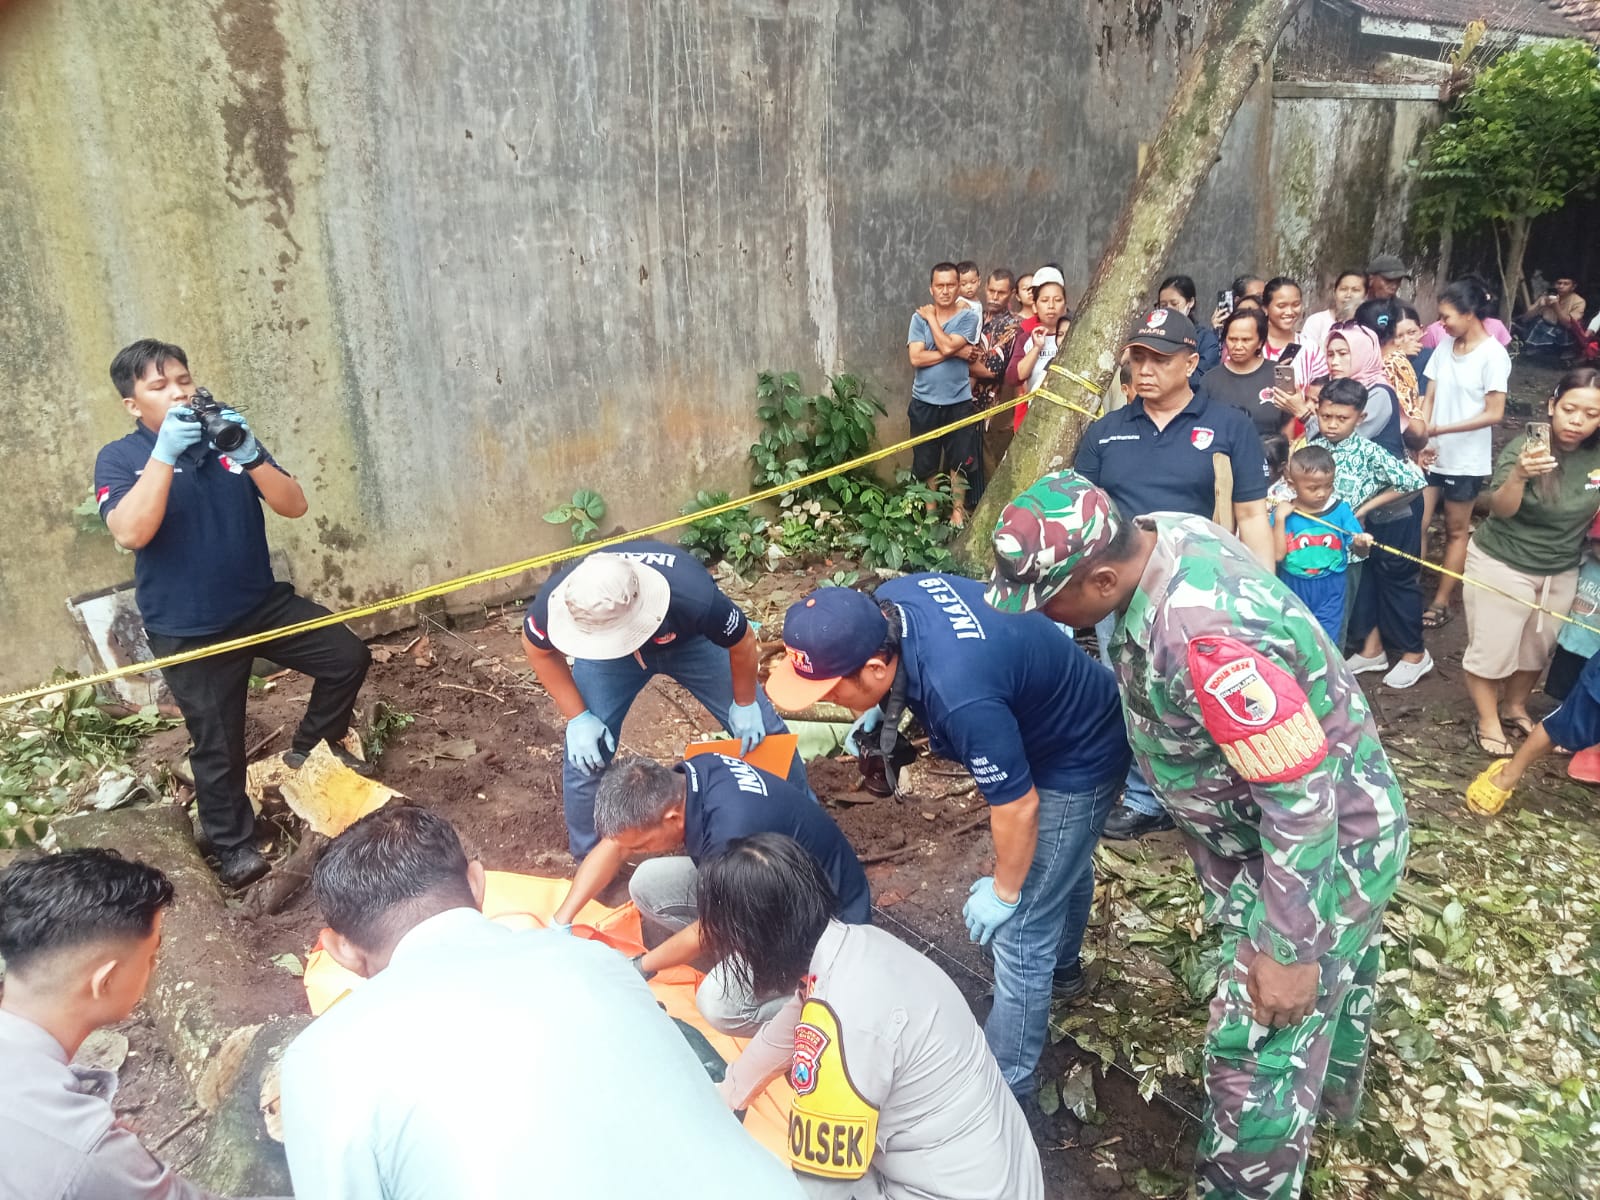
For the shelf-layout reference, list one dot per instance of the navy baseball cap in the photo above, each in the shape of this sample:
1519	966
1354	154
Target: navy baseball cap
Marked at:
829	634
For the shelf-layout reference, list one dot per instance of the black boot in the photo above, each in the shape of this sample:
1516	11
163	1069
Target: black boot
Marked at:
1125	823
295	759
240	866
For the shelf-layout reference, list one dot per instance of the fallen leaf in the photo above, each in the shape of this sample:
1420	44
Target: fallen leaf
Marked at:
1049	1098
1077	1094
289	962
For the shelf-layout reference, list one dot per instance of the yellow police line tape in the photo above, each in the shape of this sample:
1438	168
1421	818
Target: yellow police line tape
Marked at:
1459	578
435	590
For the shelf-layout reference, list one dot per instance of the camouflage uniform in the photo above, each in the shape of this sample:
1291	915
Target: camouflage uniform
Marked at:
1261	745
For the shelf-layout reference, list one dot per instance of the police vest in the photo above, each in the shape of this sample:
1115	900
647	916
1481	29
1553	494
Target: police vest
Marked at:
833	1130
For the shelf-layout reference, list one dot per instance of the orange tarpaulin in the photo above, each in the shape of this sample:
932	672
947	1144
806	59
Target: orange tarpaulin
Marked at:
773	755
528	902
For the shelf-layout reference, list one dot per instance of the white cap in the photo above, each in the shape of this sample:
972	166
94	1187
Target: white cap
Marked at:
1046	275
608	607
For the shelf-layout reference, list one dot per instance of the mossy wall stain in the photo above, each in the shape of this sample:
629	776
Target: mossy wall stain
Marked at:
442	335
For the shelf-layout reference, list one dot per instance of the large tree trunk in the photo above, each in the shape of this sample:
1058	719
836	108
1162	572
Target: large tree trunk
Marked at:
1239	39
217	1006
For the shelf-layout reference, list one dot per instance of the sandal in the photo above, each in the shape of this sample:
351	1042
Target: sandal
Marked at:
1494	747
1486	797
1523	725
1435	618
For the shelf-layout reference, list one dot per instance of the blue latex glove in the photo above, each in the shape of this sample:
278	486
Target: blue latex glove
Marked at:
180	429
585	732
746	723
248	452
557	927
985	912
866	725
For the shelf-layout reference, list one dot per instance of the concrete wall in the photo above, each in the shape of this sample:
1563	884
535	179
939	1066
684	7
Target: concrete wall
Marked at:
455	259
1342	179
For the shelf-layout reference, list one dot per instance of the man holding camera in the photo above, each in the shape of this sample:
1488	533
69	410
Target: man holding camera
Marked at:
191	514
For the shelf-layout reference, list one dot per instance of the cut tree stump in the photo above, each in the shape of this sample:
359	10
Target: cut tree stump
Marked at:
212	1003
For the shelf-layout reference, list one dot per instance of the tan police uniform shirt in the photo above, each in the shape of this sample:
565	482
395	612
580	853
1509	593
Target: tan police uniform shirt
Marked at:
897	1094
59	1138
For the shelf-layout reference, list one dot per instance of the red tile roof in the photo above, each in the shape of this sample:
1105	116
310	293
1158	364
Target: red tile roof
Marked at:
1541	18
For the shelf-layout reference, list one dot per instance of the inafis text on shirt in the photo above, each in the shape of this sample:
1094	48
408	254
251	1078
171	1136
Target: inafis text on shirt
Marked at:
963	621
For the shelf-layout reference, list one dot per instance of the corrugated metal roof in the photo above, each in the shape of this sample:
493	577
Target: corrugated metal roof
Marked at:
1540	18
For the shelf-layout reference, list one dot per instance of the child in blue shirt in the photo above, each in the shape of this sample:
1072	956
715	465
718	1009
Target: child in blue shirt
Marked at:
1575	644
1316	534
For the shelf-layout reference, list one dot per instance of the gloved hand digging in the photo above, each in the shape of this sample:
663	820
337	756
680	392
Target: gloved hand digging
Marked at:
866	725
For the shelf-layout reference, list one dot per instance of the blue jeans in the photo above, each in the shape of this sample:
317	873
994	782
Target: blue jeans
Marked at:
1136	793
608	689
1047	929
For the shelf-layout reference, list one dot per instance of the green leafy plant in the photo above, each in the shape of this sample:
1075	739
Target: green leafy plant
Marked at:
51	753
842	579
582	515
738	537
1522	139
86	519
810	433
893	528
388	723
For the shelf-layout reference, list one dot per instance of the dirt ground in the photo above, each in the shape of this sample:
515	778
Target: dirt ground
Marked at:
468	684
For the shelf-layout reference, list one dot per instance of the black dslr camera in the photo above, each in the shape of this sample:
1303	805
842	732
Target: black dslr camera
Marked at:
224	434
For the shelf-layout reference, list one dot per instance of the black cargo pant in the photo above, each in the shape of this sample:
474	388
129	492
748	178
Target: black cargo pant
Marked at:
211	694
1389	594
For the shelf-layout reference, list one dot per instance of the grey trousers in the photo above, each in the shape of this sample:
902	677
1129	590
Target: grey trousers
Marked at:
664	889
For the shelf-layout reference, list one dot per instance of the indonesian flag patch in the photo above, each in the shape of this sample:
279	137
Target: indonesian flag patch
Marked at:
1256	711
1202	437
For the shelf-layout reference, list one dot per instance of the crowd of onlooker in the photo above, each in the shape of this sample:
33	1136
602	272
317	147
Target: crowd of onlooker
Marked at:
1335	428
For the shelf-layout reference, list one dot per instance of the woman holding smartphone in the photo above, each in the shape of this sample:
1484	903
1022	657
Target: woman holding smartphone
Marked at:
1465	400
1546	494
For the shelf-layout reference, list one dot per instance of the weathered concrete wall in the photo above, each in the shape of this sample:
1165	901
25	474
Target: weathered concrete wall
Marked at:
457	259
1341	180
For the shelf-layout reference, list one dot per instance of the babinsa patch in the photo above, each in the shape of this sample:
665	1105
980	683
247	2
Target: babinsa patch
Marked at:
1255	711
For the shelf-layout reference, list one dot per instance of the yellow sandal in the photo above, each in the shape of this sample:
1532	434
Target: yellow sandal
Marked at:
1486	797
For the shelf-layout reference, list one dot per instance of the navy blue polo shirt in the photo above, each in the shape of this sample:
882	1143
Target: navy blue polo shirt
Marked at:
727	798
697	607
1146	470
1011	697
208	564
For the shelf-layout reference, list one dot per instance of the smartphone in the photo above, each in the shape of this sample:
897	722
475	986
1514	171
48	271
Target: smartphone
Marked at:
1539	435
1283	369
1225	301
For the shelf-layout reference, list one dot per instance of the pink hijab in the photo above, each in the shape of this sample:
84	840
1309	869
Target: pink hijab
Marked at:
1366	354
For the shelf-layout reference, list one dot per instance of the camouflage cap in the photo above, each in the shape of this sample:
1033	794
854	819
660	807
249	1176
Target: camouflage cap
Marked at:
1042	537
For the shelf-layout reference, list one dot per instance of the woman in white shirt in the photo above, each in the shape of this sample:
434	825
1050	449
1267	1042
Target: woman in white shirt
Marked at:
1466	399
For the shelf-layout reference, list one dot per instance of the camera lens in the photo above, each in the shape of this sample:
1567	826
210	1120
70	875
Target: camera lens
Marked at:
225	434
